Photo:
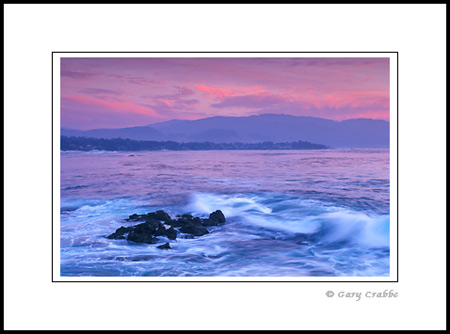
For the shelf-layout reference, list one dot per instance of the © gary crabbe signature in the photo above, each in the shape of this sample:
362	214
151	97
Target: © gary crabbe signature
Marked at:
358	295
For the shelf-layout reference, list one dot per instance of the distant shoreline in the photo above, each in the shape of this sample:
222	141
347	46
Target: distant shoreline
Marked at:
86	144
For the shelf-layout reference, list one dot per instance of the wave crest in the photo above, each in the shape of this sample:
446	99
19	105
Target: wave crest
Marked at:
322	222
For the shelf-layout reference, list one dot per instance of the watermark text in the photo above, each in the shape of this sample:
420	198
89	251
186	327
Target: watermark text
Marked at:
358	295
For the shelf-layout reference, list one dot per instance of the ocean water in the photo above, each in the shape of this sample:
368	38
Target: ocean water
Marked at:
318	213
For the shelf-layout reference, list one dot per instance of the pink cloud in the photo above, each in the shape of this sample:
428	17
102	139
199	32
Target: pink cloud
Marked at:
122	106
214	92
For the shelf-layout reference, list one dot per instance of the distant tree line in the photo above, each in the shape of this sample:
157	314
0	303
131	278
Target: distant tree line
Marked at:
120	144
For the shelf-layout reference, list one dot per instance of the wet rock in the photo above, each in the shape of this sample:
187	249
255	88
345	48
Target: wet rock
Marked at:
171	233
157	227
217	216
209	222
185	220
197	221
180	222
164	246
189	224
119	234
159	215
195	229
136	217
146	232
142	238
152	228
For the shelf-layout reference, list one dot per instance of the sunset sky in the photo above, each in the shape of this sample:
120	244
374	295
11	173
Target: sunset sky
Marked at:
123	92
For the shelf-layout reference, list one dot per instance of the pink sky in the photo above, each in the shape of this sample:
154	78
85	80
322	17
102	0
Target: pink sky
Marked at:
123	92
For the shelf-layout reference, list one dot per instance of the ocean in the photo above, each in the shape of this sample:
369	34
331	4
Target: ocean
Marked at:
296	213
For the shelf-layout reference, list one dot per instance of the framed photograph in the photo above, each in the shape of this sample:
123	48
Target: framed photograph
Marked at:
225	167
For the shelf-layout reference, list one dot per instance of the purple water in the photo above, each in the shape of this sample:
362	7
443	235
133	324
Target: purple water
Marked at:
289	213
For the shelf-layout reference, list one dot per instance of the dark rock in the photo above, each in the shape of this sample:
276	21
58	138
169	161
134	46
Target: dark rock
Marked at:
165	246
157	227
119	234
159	215
171	233
142	238
209	222
186	216
217	216
152	227
179	222
133	217
136	217
145	232
194	229
174	223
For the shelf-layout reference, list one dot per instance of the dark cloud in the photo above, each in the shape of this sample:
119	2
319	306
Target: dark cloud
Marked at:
98	91
76	75
141	81
325	62
170	104
180	93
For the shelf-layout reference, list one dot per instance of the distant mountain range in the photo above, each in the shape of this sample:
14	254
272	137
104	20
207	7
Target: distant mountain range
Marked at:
353	133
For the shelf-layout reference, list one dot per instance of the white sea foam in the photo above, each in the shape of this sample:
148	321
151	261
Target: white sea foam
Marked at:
331	224
231	206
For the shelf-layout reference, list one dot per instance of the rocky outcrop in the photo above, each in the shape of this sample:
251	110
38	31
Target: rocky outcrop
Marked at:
194	229
158	215
160	224
164	246
215	218
171	233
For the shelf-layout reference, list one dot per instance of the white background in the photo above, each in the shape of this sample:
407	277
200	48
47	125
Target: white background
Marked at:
32	32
